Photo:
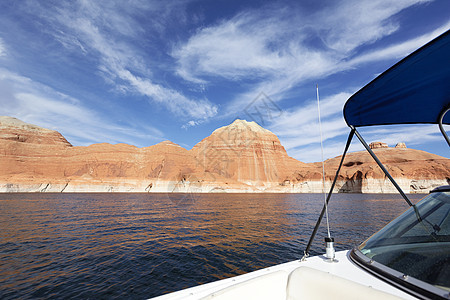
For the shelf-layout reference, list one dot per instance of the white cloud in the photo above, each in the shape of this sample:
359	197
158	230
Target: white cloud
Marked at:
351	24
312	153
263	45
103	31
298	130
232	49
309	150
2	48
307	114
411	135
191	123
272	48
176	102
399	50
253	45
41	105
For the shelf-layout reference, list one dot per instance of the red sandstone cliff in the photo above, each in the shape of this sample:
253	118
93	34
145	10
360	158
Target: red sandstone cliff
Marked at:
414	170
248	153
240	157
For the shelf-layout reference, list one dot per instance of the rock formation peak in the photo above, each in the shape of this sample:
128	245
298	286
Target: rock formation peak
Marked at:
10	122
381	145
169	143
245	152
16	130
244	125
378	145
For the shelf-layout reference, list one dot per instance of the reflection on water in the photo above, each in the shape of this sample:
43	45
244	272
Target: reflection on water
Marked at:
144	245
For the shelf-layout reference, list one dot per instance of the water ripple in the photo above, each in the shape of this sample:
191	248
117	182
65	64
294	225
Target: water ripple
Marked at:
143	245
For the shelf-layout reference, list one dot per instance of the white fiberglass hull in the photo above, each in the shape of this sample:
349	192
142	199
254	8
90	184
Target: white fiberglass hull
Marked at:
313	278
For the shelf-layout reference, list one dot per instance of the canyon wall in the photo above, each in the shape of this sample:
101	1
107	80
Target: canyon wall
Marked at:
240	157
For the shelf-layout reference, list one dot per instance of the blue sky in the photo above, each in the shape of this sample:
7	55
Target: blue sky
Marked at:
140	72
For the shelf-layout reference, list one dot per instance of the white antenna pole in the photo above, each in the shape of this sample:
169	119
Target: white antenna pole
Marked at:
328	240
323	162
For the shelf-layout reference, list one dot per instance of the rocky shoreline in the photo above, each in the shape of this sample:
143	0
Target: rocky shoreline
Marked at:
373	186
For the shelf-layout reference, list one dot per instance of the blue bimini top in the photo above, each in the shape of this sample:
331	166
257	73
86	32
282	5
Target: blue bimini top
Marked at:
415	90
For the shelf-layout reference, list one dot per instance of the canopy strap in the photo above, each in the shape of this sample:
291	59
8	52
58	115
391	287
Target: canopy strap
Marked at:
441	127
363	142
349	140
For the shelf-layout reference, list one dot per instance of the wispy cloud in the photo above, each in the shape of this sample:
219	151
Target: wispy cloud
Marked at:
306	146
291	120
411	135
232	49
298	130
312	152
398	50
105	33
176	102
2	48
276	49
41	105
350	24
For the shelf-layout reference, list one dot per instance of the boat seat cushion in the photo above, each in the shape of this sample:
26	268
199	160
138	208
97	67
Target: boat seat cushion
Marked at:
311	284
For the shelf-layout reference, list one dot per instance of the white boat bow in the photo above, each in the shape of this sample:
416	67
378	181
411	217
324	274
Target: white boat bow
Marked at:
313	278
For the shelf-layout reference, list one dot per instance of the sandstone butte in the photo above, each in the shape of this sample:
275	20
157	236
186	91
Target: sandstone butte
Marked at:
240	157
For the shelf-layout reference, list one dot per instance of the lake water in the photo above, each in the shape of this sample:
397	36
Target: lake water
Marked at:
143	245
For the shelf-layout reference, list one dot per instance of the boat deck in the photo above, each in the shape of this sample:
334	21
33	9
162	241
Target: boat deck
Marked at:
313	278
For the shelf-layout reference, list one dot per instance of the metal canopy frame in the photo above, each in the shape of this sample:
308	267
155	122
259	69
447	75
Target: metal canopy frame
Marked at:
353	132
403	87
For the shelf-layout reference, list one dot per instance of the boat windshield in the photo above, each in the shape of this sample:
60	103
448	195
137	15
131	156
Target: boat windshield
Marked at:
417	243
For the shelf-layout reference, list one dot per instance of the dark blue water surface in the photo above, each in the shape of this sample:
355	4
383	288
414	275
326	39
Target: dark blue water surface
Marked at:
144	245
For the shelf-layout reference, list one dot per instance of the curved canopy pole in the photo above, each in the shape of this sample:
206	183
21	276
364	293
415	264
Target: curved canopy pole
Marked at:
441	127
